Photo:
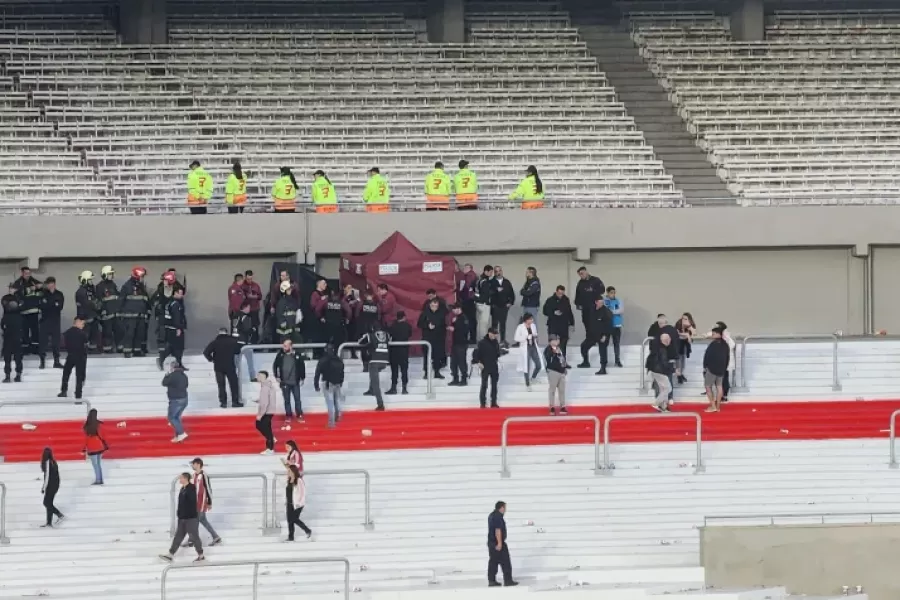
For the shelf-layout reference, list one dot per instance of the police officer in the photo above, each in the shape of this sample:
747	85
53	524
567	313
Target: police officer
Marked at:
108	295
133	311
400	331
30	291
175	325
376	343
366	319
244	329
287	314
51	308
12	325
335	316
165	291
87	308
459	345
76	358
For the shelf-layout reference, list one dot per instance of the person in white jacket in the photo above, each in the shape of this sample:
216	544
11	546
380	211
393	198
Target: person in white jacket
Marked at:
295	497
530	354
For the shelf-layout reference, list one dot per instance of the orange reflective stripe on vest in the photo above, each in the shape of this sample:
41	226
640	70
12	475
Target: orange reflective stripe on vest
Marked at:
194	199
285	204
437	201
327	208
239	199
377	208
533	205
466	199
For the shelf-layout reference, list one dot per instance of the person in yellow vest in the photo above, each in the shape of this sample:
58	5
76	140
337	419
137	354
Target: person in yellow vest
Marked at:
200	188
284	192
323	195
530	191
236	189
465	184
377	195
437	189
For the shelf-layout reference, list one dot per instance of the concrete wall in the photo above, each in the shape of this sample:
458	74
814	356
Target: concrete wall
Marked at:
762	270
807	559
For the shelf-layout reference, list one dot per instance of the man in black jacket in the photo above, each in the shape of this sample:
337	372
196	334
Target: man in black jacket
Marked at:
399	331
433	324
459	346
531	296
487	356
715	365
175	325
560	319
30	291
655	331
661	370
52	302
483	291
599	330
289	370
243	328
221	352
376	343
76	358
502	298
589	288
188	520
330	369
12	325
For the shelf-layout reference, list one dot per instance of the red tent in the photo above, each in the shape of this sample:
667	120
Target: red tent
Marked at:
407	271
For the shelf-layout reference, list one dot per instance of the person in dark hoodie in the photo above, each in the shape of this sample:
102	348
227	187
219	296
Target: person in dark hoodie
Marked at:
715	366
221	353
661	369
289	370
560	319
330	370
459	346
376	344
589	288
600	328
399	331
176	384
655	331
188	521
433	324
503	296
76	341
487	356
531	296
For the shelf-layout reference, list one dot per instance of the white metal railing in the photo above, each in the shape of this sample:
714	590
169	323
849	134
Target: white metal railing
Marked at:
429	372
266	527
255	564
4	541
836	382
608	466
504	467
367	523
893	438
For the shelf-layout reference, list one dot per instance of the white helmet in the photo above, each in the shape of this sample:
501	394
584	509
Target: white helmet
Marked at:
285	287
107	272
85	277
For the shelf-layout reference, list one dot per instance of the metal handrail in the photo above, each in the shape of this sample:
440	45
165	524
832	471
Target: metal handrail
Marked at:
4	541
608	466
644	345
429	372
504	467
893	462
30	403
266	528
249	348
820	516
256	563
836	383
369	524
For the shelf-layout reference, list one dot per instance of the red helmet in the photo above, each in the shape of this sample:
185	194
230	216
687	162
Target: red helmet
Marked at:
169	277
138	272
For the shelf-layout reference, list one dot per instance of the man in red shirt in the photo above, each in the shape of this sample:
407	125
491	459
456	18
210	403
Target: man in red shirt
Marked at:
254	296
386	305
235	296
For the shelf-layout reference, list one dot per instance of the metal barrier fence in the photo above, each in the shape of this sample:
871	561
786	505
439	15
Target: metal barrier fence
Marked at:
429	372
267	529
893	461
4	541
248	349
504	467
368	523
804	517
32	404
836	382
256	564
608	466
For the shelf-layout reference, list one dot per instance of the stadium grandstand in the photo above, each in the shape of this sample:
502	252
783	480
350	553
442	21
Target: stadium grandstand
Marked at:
719	162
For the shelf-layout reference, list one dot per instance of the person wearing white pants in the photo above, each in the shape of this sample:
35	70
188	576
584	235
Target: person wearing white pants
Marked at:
660	370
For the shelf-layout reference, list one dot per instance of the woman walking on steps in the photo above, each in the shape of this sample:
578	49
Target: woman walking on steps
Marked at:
294	457
295	493
94	444
50	487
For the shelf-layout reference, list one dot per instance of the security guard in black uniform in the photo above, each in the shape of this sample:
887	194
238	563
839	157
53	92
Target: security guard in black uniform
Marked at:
12	325
133	312
30	290
108	294
52	303
165	291
175	325
400	331
365	321
376	343
335	318
88	308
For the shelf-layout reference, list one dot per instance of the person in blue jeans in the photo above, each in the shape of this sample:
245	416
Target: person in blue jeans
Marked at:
94	444
176	384
330	370
289	370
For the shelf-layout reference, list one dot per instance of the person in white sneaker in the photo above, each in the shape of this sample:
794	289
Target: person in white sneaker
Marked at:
296	500
176	384
527	338
266	410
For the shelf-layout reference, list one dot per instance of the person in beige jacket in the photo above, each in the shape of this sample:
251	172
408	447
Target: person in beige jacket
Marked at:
266	410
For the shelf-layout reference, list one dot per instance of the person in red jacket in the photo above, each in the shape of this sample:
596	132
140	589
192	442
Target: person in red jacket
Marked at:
204	499
387	304
236	296
253	294
94	444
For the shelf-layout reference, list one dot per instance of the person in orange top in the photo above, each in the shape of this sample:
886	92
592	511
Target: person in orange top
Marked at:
94	444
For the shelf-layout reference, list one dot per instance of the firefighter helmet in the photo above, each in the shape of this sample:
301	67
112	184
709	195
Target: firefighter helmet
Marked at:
138	272
285	287
85	277
107	272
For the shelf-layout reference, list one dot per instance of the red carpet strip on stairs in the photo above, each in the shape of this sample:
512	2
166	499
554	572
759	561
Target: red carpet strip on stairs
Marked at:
454	428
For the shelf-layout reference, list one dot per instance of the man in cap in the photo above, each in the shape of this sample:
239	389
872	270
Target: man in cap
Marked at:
12	324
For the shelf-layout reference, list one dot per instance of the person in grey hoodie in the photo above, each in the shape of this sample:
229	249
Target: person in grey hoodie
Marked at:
266	410
176	384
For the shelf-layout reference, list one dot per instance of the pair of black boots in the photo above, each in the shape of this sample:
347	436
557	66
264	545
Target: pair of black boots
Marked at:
18	379
56	364
393	391
459	383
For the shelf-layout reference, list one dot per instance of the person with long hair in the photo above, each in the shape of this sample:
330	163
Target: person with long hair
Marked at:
323	195
294	457
50	487
686	329
94	444
295	495
236	189
530	191
284	192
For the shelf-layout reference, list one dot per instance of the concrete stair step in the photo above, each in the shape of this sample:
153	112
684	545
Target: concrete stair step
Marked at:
697	170
704	182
